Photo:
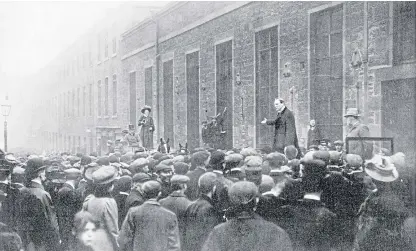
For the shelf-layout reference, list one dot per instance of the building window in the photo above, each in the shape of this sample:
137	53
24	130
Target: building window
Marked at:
98	48
84	99
114	95
148	90
168	100
267	61
106	96
73	103
78	102
90	100
99	98
404	30
192	86
114	45
106	46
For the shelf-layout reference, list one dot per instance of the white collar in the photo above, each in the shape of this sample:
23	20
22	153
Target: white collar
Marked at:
217	171
124	193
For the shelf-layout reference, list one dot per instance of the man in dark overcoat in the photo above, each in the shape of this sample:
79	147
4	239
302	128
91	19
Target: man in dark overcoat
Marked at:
285	128
39	222
201	160
150	227
246	231
177	201
201	216
68	204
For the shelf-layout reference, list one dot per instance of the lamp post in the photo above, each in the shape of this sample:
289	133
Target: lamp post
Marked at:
5	111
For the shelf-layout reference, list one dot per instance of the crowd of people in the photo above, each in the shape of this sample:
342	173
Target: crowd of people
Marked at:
208	199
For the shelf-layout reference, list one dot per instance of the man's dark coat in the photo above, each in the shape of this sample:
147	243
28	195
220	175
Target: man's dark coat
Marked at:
285	130
192	190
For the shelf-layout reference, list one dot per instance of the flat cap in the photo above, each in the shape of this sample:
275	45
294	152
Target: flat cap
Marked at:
233	158
164	157
276	160
113	159
200	157
249	151
139	163
168	162
104	175
253	163
179	179
34	165
267	183
157	155
151	187
334	156
179	158
72	172
141	177
103	161
314	167
353	160
162	167
180	168
242	192
198	149
141	155
322	155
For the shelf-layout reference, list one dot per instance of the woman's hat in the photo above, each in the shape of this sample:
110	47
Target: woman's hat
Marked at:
381	168
352	112
146	107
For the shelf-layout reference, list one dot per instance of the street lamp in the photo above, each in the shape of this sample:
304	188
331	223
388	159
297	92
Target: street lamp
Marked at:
5	111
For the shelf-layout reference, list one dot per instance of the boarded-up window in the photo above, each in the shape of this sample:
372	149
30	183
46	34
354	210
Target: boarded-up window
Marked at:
267	68
192	85
224	75
404	30
148	90
168	101
326	71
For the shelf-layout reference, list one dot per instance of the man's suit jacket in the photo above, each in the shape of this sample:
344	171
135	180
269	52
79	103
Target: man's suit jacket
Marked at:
285	130
364	149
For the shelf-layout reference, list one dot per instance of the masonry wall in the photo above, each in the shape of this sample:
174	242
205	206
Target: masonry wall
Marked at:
367	27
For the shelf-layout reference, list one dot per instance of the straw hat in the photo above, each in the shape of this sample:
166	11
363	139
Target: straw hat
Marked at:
381	168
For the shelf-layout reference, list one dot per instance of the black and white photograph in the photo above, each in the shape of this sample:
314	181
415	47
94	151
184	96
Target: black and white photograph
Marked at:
207	125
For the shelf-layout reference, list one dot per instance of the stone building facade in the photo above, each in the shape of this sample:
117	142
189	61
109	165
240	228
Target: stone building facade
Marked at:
194	59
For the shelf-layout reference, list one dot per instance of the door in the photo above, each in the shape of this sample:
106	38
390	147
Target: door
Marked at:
224	88
192	84
267	65
133	102
398	115
326	72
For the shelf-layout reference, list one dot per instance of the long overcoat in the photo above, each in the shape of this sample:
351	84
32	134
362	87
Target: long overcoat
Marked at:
150	227
285	130
146	131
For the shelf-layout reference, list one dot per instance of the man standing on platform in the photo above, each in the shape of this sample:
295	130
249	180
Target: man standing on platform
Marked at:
285	128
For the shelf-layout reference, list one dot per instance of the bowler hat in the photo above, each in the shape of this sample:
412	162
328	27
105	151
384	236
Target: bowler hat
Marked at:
352	112
314	167
242	192
217	159
104	175
179	179
33	166
146	107
381	168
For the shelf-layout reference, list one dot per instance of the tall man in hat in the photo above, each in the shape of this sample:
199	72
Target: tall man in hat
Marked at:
356	129
285	128
39	222
148	127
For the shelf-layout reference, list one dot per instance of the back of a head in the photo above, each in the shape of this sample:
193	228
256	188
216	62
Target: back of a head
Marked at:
123	184
242	192
207	182
291	152
82	218
151	189
199	158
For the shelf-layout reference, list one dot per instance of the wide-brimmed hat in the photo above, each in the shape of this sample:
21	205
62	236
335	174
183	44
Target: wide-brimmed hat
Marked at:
352	112
381	168
146	107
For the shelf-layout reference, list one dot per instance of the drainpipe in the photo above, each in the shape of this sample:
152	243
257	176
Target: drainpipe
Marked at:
365	63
